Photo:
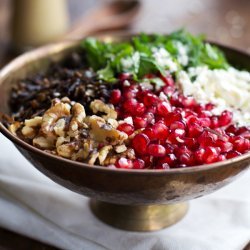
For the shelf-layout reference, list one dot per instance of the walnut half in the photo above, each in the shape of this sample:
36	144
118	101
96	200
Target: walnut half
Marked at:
100	106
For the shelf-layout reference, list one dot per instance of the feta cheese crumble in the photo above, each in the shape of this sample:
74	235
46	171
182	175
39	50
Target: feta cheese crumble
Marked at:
131	62
182	57
164	59
227	89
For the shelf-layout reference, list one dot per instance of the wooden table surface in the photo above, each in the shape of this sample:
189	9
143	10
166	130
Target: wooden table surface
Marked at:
225	21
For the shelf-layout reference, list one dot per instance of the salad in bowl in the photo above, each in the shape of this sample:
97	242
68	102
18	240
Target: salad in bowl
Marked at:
153	102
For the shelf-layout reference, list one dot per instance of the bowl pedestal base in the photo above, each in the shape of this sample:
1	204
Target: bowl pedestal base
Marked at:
141	218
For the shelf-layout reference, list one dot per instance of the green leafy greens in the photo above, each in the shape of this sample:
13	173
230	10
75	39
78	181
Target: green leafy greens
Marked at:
146	54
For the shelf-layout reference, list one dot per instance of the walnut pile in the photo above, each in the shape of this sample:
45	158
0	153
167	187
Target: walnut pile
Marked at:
65	130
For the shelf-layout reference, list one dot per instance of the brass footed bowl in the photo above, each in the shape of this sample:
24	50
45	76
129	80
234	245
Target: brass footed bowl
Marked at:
137	200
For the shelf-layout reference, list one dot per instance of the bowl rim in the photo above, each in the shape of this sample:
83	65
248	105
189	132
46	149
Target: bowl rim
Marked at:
39	53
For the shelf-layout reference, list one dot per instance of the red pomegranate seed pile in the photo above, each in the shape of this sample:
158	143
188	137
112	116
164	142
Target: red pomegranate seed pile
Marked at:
173	131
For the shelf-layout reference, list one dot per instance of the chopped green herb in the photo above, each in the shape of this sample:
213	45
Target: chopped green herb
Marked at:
106	74
138	58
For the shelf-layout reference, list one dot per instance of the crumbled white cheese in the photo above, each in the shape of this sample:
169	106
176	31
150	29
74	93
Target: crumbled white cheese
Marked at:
227	89
126	83
127	62
129	120
163	97
131	62
164	59
182	57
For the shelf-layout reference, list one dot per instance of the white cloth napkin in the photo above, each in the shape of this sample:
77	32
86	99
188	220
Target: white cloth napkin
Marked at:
33	205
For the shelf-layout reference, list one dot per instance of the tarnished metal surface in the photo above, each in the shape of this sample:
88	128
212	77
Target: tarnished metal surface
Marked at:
139	218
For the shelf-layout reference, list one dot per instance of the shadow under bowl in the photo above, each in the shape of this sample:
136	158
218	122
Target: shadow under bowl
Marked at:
141	200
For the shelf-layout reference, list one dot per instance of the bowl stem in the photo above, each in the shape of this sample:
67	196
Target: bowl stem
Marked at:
141	218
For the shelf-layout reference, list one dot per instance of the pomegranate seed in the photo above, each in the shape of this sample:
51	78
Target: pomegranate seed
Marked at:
149	116
189	113
130	105
140	143
170	159
205	114
163	166
241	144
191	143
232	154
169	148
224	146
241	130
168	80
124	163
150	99
192	119
205	122
115	96
140	94
232	129
156	150
199	155
140	122
187	159
220	131
172	117
198	109
245	134
207	139
159	118
175	100
210	155
194	130
176	136
149	132
151	110
214	122
178	110
124	76
130	92
126	128
138	164
139	109
147	160
188	102
177	125
224	137
163	108
172	138
160	131
225	118
208	133
209	106
168	91
221	157
182	150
